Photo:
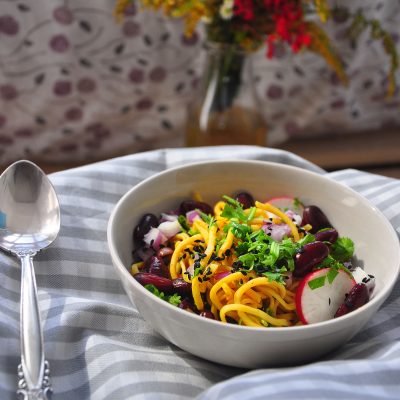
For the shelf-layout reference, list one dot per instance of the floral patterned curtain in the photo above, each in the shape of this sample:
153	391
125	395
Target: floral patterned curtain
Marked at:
75	85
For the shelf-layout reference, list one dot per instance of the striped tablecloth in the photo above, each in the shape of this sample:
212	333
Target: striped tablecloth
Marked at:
98	345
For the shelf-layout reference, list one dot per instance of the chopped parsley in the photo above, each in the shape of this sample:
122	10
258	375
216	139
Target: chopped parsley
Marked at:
173	299
330	275
208	219
342	249
258	252
183	222
234	210
317	282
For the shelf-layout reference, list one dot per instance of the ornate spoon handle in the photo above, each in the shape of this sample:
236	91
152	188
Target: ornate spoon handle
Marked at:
33	372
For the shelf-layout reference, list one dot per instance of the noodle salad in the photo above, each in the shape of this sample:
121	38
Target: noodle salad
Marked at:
261	264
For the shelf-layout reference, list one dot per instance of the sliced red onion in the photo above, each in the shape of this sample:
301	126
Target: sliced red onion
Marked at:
168	217
192	215
277	231
221	275
154	238
169	228
296	218
190	269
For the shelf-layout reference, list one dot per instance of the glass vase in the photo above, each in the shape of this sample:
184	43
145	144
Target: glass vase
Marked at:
226	109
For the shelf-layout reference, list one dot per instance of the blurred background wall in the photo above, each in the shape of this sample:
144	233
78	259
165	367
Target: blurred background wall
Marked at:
76	86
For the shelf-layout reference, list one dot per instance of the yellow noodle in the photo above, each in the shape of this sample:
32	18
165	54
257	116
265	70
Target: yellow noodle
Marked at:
178	249
248	285
198	301
254	296
252	311
218	285
228	298
181	236
248	320
210	245
277	296
186	277
227	243
201	227
218	208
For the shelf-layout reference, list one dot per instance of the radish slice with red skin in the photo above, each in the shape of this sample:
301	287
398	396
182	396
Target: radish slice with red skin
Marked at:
285	203
321	304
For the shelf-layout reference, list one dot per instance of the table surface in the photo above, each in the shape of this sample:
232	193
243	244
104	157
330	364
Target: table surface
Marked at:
375	151
98	345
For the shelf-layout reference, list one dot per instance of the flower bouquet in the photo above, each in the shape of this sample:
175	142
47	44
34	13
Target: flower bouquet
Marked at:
235	28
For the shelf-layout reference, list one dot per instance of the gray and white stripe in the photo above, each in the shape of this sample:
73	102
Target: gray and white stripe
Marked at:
98	345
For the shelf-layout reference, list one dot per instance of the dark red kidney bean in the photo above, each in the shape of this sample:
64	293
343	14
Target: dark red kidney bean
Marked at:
162	284
342	310
310	255
328	235
207	314
145	224
182	287
185	304
189	205
155	265
357	297
245	199
314	216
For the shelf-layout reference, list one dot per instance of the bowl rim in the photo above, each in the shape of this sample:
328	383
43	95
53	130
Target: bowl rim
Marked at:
121	268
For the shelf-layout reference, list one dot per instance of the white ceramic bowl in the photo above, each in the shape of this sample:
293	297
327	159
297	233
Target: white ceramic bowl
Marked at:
376	246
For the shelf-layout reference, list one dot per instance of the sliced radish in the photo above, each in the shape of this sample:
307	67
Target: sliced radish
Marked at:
286	203
360	276
321	303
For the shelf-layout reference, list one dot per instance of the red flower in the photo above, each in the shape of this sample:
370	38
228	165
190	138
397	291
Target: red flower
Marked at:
244	9
288	18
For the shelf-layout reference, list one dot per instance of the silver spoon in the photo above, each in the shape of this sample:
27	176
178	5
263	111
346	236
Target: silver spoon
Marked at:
29	222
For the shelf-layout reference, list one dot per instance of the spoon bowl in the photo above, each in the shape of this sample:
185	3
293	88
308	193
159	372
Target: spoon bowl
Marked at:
29	222
29	207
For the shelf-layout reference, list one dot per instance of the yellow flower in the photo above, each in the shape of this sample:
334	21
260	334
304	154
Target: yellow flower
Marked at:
119	9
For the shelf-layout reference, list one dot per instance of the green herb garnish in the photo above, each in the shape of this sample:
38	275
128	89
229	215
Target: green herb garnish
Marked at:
332	274
208	219
343	249
173	299
259	252
234	210
317	282
183	223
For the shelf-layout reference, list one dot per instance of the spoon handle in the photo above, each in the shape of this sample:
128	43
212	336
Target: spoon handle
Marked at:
33	372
